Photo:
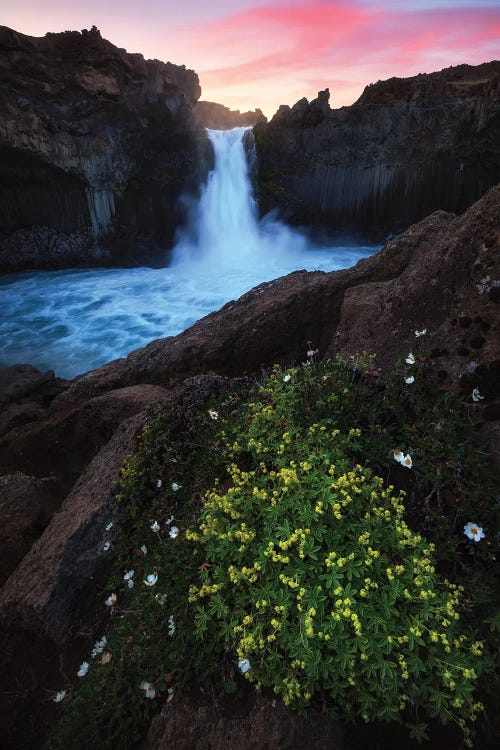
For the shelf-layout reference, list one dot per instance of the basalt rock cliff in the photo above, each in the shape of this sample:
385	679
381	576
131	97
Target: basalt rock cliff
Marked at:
218	117
406	148
96	146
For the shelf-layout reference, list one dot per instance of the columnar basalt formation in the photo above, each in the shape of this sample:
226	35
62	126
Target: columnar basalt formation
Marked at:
96	146
406	148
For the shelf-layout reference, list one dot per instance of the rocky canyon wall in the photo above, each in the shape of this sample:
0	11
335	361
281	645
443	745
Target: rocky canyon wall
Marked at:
96	146
406	148
218	117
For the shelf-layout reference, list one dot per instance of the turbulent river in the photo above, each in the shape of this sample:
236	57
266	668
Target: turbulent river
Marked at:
75	320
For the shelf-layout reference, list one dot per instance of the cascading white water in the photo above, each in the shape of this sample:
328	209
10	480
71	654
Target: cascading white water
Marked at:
75	320
227	212
225	224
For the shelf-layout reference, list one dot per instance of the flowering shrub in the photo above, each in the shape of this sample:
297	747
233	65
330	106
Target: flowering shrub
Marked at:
314	578
327	535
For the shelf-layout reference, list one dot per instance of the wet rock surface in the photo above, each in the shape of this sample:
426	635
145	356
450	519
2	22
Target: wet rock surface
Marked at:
406	148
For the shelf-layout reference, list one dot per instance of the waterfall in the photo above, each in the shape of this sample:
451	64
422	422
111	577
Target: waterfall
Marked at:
78	319
227	210
224	228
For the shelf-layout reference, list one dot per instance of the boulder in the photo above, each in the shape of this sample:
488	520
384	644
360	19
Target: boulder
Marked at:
444	289
40	593
25	394
26	506
261	723
275	320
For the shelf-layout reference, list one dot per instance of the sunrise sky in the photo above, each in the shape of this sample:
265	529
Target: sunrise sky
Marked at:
253	53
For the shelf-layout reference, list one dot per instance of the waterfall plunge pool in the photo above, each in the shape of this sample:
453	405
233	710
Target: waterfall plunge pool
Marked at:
75	320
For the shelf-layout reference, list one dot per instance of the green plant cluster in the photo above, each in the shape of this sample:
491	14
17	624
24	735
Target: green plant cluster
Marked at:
306	553
314	578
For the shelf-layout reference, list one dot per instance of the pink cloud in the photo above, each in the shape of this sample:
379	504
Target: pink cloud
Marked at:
319	41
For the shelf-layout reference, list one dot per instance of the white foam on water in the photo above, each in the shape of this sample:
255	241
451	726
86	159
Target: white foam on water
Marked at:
76	320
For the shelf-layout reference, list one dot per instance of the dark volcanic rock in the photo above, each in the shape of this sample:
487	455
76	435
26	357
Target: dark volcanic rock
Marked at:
96	146
264	724
39	595
219	117
26	507
25	394
406	148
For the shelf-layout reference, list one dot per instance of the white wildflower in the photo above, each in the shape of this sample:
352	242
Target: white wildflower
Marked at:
128	578
151	579
59	696
159	483
84	668
244	665
99	646
213	414
420	333
109	526
287	378
476	396
409	380
149	689
401	458
175	486
407	461
171	625
410	359
169	521
144	549
174	532
111	600
155	526
473	531
106	546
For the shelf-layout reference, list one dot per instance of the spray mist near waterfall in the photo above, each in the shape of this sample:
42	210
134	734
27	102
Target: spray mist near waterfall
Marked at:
76	320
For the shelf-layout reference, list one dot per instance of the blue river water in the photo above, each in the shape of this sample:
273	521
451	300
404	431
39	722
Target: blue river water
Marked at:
72	321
